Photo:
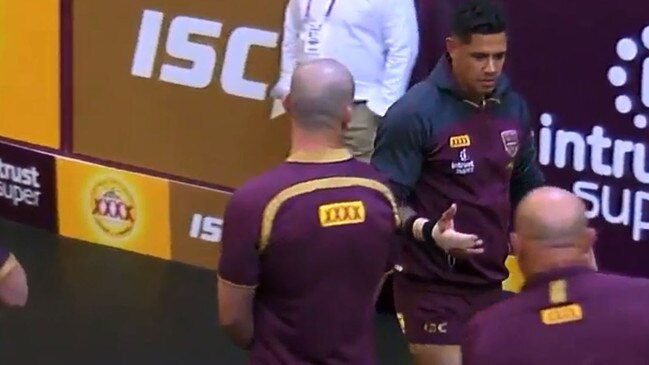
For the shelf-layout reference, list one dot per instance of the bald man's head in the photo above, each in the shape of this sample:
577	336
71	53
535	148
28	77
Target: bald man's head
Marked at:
551	216
551	228
322	95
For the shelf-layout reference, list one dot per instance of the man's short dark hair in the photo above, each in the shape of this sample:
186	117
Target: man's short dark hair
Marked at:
478	17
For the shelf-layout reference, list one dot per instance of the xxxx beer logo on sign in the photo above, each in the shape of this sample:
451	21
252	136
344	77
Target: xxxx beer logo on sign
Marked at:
113	207
460	141
343	213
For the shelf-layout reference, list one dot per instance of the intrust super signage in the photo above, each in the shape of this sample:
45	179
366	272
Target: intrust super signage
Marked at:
27	186
189	81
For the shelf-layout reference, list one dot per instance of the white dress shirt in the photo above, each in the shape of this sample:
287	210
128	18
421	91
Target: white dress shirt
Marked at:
377	40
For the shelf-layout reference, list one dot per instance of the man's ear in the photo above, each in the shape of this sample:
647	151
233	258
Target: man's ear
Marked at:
515	242
591	235
286	102
588	238
452	46
347	116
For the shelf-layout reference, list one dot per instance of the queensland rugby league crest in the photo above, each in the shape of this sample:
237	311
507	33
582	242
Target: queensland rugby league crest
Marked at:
510	141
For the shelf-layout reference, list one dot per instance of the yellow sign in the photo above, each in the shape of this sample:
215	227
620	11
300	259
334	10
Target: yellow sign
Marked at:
338	214
563	314
114	208
515	281
460	141
29	71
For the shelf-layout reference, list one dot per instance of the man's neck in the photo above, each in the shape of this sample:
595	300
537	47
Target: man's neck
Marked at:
314	141
557	265
464	91
473	97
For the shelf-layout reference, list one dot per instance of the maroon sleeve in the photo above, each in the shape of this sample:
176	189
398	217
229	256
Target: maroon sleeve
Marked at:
239	263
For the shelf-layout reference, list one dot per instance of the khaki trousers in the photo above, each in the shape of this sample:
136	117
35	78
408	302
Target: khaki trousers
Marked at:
361	131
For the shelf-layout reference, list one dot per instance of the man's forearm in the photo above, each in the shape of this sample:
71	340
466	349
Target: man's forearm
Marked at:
405	213
415	226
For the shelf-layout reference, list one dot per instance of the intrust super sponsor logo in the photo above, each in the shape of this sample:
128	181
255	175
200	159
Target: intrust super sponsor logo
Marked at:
19	184
27	186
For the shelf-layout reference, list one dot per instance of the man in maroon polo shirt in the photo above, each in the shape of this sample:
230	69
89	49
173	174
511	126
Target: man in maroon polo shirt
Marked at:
306	245
567	313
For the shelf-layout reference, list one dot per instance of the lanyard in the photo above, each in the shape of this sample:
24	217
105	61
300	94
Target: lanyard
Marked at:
308	8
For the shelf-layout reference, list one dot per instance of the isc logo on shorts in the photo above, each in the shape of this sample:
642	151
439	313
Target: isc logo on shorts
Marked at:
460	141
343	213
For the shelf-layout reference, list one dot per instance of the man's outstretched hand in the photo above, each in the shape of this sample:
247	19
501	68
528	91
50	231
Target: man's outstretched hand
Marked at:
453	242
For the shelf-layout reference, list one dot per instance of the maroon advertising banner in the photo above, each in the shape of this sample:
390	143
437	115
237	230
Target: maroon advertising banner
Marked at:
584	69
27	187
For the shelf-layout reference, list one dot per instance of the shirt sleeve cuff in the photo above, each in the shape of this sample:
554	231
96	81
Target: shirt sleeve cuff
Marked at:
235	283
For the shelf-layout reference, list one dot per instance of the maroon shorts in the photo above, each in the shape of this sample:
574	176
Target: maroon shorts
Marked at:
432	315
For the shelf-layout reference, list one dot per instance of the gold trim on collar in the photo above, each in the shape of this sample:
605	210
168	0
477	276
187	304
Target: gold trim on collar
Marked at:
273	206
320	156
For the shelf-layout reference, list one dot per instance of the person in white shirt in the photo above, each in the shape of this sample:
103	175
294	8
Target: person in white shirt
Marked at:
377	40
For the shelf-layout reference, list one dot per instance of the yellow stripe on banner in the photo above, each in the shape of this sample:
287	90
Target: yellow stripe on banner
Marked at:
313	185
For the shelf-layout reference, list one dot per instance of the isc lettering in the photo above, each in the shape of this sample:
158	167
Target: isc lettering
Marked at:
206	228
203	57
435	328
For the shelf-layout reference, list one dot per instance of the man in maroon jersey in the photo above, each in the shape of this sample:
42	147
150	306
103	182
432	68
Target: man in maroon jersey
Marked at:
567	313
307	245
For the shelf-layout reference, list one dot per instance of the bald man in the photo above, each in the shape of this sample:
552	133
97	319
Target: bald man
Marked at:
567	313
307	245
